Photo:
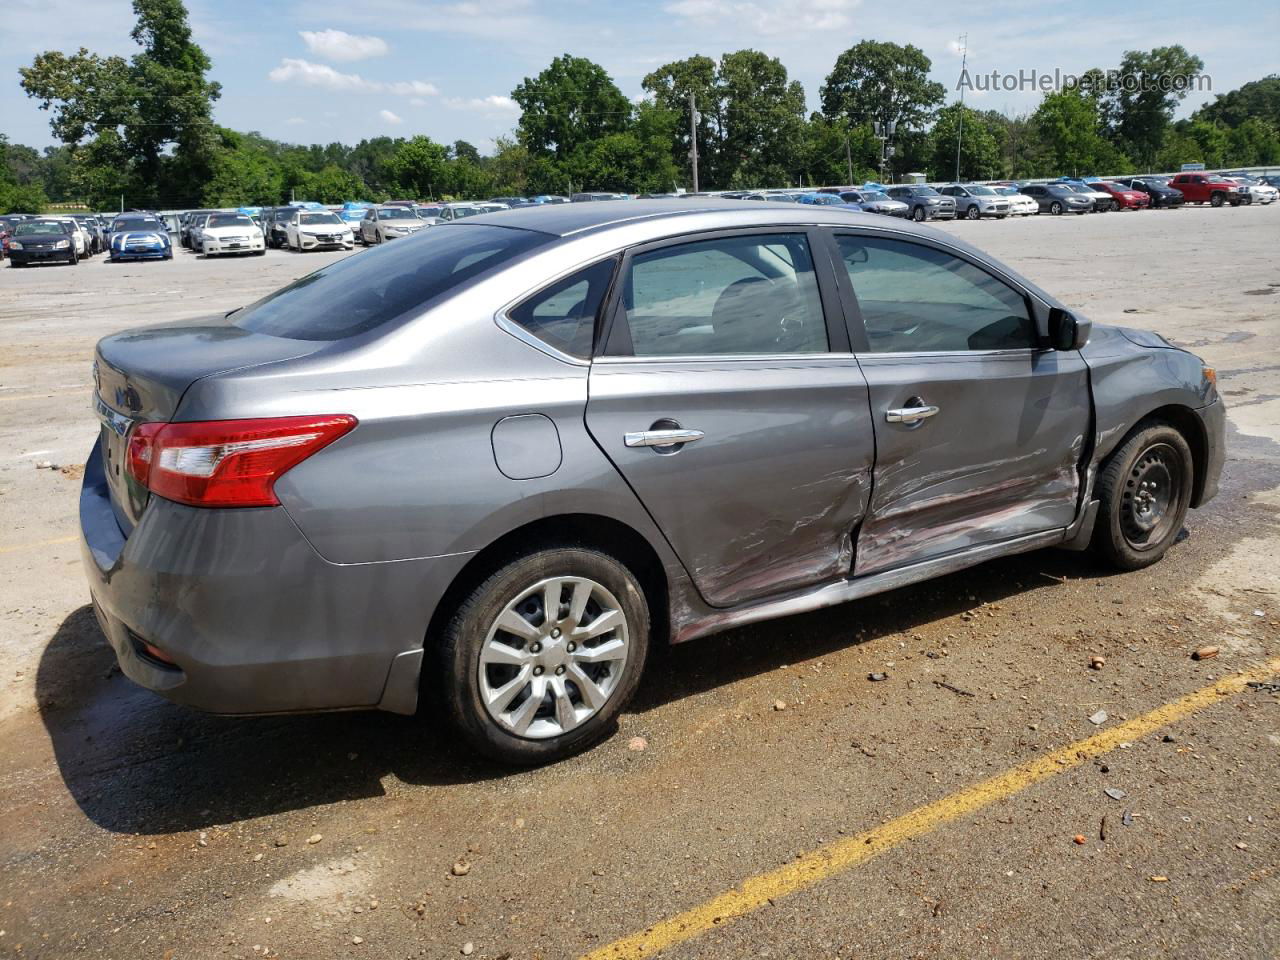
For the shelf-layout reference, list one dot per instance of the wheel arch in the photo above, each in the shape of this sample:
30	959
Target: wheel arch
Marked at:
1187	422
595	531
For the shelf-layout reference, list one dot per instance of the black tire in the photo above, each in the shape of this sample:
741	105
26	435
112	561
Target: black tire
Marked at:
1216	199
973	213
1115	205
918	215
1055	208
1137	525
459	673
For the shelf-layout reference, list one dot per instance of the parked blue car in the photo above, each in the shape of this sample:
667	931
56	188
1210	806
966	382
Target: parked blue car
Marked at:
140	237
828	200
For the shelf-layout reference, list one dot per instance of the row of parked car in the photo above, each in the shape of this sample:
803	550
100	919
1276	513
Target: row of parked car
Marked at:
308	226
43	238
974	201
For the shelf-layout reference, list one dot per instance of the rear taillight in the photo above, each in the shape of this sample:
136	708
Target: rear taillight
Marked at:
227	463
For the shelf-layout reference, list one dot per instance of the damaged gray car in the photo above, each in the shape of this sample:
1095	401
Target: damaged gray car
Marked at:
488	468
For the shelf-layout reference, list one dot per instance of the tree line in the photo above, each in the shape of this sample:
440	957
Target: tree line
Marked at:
141	131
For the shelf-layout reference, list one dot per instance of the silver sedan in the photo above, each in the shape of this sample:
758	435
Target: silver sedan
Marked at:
491	466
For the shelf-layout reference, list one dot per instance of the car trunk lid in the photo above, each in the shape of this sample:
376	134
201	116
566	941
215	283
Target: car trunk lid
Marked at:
141	376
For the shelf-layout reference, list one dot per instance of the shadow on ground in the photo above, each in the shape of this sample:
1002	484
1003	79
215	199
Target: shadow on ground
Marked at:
136	763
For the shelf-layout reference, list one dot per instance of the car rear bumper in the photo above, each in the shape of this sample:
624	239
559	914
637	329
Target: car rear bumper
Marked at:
253	619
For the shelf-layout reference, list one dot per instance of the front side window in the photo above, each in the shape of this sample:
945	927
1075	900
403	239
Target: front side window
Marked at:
916	299
564	314
732	295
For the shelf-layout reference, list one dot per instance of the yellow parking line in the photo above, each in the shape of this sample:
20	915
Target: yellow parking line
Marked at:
828	860
37	543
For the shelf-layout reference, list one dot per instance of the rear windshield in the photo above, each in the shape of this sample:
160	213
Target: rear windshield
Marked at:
360	293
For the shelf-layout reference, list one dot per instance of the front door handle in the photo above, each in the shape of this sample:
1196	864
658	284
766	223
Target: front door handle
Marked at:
911	414
661	438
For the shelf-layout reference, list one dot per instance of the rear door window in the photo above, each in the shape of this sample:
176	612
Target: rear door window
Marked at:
731	295
363	292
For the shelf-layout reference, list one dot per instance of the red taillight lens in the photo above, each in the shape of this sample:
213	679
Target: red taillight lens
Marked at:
227	463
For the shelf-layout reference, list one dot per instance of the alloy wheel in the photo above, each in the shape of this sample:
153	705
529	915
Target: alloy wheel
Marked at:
553	657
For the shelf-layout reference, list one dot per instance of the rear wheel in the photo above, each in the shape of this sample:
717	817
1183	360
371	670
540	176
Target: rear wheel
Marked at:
918	214
1055	208
1144	492
542	655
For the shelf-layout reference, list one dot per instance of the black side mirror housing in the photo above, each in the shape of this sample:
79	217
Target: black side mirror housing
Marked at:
1066	331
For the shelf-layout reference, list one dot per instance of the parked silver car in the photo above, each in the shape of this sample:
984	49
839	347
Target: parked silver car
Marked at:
489	466
381	224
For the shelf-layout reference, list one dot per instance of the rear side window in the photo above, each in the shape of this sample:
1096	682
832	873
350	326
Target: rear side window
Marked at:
365	291
564	314
734	295
917	299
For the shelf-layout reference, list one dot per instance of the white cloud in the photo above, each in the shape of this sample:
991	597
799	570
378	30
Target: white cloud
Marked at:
389	117
310	74
766	18
343	46
295	121
494	103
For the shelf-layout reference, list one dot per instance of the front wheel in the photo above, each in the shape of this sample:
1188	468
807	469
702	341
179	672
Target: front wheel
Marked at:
1144	492
918	214
543	654
973	213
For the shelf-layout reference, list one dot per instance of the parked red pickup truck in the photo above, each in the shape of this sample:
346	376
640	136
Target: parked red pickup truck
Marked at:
1208	188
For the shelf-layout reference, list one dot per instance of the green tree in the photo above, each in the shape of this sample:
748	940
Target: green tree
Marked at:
979	147
568	106
671	86
1258	99
419	167
159	104
1068	128
17	196
1138	107
763	119
465	152
242	174
880	81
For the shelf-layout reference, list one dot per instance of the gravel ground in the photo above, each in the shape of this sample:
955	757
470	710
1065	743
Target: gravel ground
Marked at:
133	828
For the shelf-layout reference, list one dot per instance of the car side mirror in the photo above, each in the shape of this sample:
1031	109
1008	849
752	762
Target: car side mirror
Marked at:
1066	331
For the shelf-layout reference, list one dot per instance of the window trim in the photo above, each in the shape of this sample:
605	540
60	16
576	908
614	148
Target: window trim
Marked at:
614	343
857	325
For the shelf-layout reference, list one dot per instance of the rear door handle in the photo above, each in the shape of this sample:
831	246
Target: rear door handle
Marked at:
661	438
911	414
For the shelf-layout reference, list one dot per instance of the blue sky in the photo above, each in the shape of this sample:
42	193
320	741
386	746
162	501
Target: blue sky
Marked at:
325	70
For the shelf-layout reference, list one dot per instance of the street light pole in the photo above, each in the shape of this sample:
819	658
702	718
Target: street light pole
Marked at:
964	59
693	138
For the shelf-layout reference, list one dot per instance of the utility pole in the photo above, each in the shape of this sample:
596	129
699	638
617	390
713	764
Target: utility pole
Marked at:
964	59
848	158
693	138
